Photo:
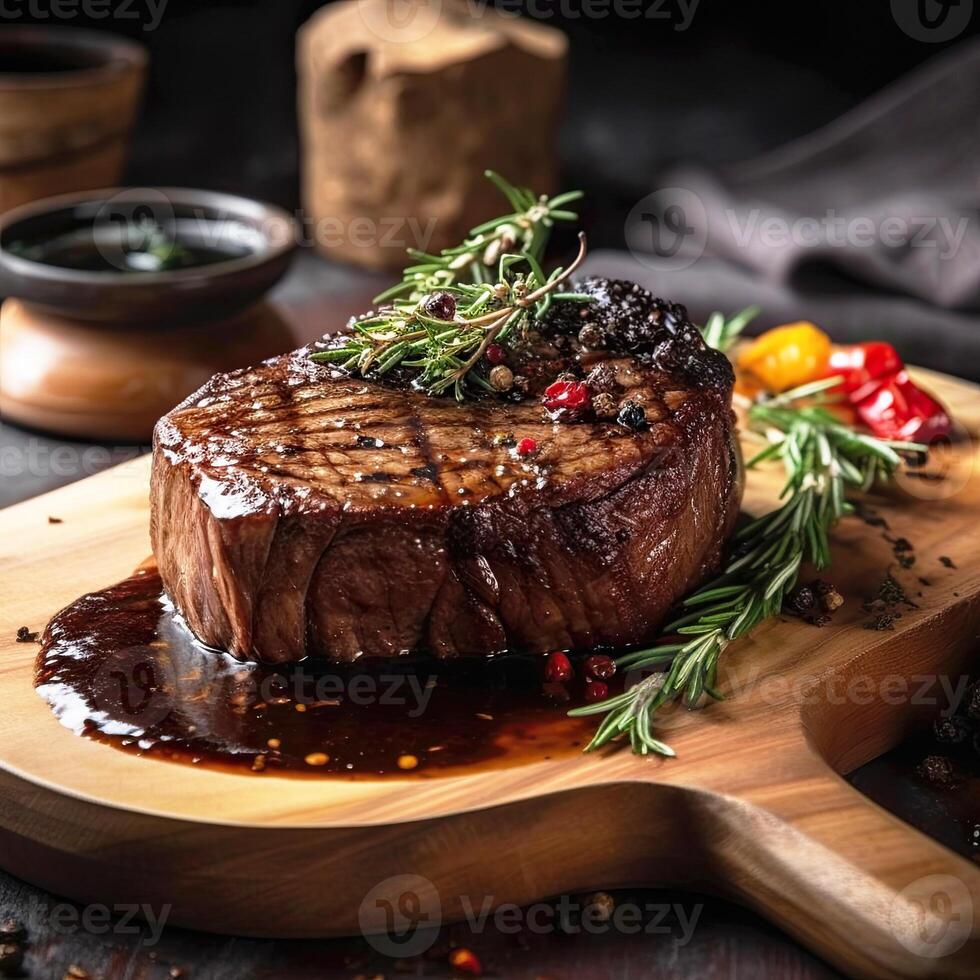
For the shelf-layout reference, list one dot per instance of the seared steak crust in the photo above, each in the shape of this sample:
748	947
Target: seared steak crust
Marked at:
299	511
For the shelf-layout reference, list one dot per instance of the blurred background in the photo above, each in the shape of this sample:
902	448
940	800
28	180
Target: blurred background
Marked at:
712	83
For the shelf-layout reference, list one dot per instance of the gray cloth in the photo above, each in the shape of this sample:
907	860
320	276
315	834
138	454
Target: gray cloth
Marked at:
869	226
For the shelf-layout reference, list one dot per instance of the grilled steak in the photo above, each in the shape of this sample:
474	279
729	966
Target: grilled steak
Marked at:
299	511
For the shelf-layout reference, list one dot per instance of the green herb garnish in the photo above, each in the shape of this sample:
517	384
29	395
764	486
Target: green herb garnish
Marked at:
822	458
496	284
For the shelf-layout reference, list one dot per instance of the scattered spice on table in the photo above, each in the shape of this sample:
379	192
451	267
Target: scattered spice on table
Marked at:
938	770
814	602
947	561
26	635
55	520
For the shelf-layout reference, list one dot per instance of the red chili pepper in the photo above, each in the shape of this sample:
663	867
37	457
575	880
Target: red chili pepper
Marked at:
571	395
526	446
863	364
558	667
883	395
896	408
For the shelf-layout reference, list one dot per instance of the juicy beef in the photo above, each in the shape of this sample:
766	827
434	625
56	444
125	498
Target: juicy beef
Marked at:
300	511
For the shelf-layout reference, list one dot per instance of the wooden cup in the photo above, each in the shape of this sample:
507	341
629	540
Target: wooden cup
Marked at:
68	101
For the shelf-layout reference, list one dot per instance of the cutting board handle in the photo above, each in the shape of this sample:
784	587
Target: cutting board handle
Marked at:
867	890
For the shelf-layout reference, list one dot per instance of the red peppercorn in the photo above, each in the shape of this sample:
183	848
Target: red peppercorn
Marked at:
526	446
574	396
600	666
596	691
496	354
558	668
440	306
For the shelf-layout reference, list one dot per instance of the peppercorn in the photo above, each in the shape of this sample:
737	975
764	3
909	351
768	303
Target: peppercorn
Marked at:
440	306
632	416
557	668
592	336
502	378
800	601
600	666
596	691
951	731
936	769
603	378
604	405
496	354
827	595
25	635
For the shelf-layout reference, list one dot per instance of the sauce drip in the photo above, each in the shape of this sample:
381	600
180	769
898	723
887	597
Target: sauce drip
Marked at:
122	667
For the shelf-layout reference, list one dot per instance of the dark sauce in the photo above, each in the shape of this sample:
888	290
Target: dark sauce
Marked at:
120	666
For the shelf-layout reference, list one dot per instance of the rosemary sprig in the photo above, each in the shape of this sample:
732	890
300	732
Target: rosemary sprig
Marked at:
721	332
496	284
822	458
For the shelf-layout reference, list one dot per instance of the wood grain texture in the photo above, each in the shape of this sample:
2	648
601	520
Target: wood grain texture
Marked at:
752	808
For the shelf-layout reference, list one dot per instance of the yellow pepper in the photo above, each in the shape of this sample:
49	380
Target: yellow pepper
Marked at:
786	356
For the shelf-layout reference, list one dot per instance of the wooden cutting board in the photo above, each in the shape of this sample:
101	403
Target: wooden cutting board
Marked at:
753	807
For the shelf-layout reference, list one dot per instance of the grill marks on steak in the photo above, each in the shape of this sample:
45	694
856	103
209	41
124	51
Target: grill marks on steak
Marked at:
297	510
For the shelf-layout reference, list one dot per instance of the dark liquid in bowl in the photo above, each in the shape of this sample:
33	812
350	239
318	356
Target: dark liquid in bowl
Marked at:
39	61
122	247
119	666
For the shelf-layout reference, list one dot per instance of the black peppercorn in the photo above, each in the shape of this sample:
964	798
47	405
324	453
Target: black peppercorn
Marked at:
440	306
633	417
951	731
592	336
800	601
936	769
